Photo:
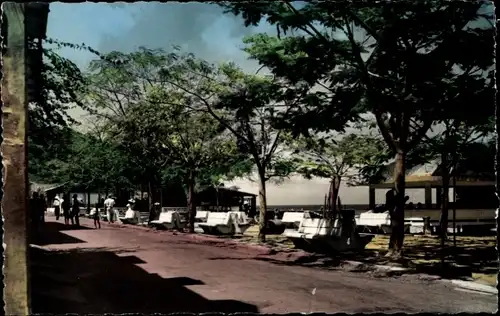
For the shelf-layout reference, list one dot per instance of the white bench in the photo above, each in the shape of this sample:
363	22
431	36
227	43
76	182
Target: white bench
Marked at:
132	218
219	223
322	235
374	222
201	217
292	219
311	228
241	221
168	220
416	225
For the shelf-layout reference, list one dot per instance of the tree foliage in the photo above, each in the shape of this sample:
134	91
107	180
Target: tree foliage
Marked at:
153	115
370	58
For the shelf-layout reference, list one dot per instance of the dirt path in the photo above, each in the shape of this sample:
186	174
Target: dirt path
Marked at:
118	270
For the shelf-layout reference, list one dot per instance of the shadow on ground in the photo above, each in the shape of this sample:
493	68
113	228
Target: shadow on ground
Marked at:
50	233
421	256
98	281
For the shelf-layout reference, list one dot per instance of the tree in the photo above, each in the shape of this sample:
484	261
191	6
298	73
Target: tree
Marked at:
335	158
58	89
370	59
193	142
118	83
95	164
247	106
152	118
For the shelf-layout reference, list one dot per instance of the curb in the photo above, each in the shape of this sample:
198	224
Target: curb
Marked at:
475	286
374	267
201	237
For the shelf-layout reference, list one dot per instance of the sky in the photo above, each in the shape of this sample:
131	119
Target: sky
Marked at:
199	28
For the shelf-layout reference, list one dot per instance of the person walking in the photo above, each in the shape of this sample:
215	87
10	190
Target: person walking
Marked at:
154	212
42	207
66	207
57	207
109	205
75	210
94	213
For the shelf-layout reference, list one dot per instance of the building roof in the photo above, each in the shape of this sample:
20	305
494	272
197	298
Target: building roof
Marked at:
44	186
231	190
429	174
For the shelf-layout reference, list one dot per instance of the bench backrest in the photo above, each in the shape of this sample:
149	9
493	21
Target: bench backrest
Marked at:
240	217
292	217
218	218
166	217
318	226
375	219
202	215
415	221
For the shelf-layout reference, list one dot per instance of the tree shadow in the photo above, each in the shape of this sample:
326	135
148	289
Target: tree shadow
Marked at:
99	281
50	233
472	255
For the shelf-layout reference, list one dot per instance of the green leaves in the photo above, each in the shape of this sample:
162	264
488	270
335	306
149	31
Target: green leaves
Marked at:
343	158
369	58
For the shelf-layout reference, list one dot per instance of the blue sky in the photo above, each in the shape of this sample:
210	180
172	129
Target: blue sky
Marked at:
199	28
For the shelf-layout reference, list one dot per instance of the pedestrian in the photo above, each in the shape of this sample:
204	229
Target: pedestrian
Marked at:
42	207
57	207
109	204
75	210
390	200
154	212
94	213
66	208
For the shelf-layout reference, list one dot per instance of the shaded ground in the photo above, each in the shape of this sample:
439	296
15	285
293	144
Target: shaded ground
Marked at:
474	257
118	270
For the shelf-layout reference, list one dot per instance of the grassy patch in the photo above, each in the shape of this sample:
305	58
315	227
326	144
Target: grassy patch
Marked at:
421	254
487	279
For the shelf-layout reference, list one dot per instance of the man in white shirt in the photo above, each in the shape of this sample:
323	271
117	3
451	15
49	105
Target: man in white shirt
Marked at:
109	204
57	207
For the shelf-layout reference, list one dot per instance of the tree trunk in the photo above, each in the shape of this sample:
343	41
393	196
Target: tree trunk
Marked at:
398	213
334	195
191	203
161	197
88	202
150	195
443	221
262	206
445	178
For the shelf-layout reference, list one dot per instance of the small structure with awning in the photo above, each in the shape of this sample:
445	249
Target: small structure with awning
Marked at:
225	198
428	176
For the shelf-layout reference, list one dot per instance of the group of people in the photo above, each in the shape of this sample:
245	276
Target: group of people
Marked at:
38	207
112	213
70	210
109	208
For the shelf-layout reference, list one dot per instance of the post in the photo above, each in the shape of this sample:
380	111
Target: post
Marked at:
428	196
438	198
15	178
88	202
454	212
371	198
